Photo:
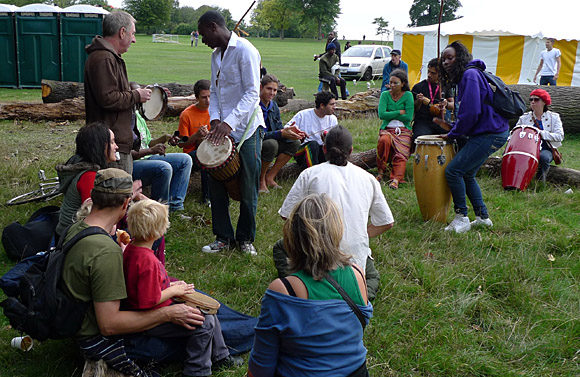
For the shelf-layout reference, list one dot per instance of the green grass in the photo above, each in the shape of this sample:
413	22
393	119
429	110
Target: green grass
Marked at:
148	63
485	303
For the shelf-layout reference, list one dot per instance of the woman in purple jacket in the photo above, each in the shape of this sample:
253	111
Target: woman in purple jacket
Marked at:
486	132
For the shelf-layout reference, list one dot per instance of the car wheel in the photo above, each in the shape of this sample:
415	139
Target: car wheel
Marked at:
368	75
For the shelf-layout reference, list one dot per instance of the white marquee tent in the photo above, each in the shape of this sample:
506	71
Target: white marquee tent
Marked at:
510	50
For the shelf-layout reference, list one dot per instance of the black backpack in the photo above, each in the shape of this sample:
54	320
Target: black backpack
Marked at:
506	102
21	241
43	308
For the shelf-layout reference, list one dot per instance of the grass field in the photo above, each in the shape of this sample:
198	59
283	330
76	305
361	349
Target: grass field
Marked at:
148	63
491	302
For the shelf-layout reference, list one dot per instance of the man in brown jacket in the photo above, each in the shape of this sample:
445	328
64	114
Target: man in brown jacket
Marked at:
108	97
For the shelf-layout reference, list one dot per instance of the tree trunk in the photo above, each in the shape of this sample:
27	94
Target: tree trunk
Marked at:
56	91
179	90
74	109
564	102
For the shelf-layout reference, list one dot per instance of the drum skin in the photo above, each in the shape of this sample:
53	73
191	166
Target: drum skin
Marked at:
206	304
432	154
222	162
156	106
520	160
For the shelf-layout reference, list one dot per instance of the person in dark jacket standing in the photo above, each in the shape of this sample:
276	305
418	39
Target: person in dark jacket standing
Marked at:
486	132
108	97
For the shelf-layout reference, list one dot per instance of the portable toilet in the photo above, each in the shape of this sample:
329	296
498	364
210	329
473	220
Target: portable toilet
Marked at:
37	40
8	74
79	24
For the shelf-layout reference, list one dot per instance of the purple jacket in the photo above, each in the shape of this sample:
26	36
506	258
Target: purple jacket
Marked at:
475	114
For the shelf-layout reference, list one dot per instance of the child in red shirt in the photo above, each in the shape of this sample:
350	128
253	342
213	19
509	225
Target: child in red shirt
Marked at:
147	282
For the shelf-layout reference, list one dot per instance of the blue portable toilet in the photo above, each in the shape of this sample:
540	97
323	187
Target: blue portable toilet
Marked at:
79	24
37	40
8	61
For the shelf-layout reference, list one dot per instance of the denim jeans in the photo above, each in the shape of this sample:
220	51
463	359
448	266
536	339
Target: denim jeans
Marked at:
546	158
168	176
460	172
204	175
545	80
249	173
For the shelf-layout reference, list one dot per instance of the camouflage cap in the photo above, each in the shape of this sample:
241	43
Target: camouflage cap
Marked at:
113	181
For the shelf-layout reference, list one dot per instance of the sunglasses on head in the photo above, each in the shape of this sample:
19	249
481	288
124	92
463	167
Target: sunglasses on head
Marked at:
534	99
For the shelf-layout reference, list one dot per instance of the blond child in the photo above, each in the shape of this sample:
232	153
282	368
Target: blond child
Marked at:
147	282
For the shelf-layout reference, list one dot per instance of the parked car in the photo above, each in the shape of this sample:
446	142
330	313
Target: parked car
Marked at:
364	61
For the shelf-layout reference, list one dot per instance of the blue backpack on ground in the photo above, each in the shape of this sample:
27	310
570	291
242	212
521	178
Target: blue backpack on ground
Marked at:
41	306
506	102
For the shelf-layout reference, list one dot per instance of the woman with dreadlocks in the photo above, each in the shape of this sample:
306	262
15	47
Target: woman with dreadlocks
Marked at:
485	130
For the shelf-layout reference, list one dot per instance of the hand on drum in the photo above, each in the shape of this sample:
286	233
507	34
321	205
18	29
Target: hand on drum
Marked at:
172	140
218	133
444	136
144	94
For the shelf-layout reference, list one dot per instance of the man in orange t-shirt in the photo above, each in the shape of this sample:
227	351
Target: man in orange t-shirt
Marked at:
194	123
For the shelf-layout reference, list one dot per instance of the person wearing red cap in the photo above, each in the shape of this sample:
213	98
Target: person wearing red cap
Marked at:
550	126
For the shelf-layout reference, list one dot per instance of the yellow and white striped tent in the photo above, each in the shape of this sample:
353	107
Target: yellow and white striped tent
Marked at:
512	54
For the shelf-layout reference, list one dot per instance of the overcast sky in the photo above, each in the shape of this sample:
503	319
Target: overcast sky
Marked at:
357	16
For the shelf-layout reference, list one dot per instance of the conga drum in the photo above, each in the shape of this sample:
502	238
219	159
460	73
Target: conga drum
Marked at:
222	162
520	159
432	154
156	106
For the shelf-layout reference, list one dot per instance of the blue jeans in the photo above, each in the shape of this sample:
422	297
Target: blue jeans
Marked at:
250	158
546	158
460	172
168	176
545	80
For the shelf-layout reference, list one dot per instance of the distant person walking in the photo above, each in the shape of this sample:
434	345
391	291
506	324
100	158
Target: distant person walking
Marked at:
550	63
192	37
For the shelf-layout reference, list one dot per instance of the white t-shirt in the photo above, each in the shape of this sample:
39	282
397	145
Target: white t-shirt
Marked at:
356	192
550	64
312	124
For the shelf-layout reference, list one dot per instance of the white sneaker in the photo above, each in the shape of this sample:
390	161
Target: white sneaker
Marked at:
482	222
460	224
246	247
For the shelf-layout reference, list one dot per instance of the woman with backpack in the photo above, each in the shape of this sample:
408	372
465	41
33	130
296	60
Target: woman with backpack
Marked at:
95	149
486	132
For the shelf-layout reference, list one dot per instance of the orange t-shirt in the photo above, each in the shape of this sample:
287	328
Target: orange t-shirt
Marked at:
190	120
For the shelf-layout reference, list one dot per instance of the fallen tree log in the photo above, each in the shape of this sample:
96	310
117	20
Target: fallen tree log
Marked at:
367	160
57	91
73	109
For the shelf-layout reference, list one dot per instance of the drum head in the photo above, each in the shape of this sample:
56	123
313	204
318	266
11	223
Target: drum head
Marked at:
430	139
156	106
211	156
205	303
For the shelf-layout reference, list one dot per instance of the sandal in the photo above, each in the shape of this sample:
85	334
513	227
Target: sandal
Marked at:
379	177
394	185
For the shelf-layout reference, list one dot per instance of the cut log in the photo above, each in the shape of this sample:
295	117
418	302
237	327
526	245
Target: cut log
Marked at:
99	369
73	109
69	109
57	91
179	90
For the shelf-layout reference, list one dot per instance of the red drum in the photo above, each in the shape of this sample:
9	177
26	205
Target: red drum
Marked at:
222	162
521	157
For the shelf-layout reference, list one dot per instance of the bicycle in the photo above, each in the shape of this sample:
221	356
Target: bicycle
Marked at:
48	189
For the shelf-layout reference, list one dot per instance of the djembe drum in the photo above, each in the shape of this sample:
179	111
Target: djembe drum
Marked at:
222	162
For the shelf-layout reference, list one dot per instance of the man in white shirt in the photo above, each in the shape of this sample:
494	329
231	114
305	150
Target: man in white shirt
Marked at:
234	111
315	123
550	63
356	192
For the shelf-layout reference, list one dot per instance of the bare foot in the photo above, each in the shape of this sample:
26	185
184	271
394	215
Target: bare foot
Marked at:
263	187
272	183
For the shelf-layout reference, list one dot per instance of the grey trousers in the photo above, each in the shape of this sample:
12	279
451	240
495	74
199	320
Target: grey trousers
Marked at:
371	274
203	346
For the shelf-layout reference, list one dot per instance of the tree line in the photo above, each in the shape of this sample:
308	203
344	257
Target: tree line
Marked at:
269	18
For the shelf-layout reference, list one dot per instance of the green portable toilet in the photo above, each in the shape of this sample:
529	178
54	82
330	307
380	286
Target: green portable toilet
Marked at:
37	40
8	62
78	26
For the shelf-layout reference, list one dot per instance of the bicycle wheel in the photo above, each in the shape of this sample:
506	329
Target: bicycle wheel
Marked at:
42	194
